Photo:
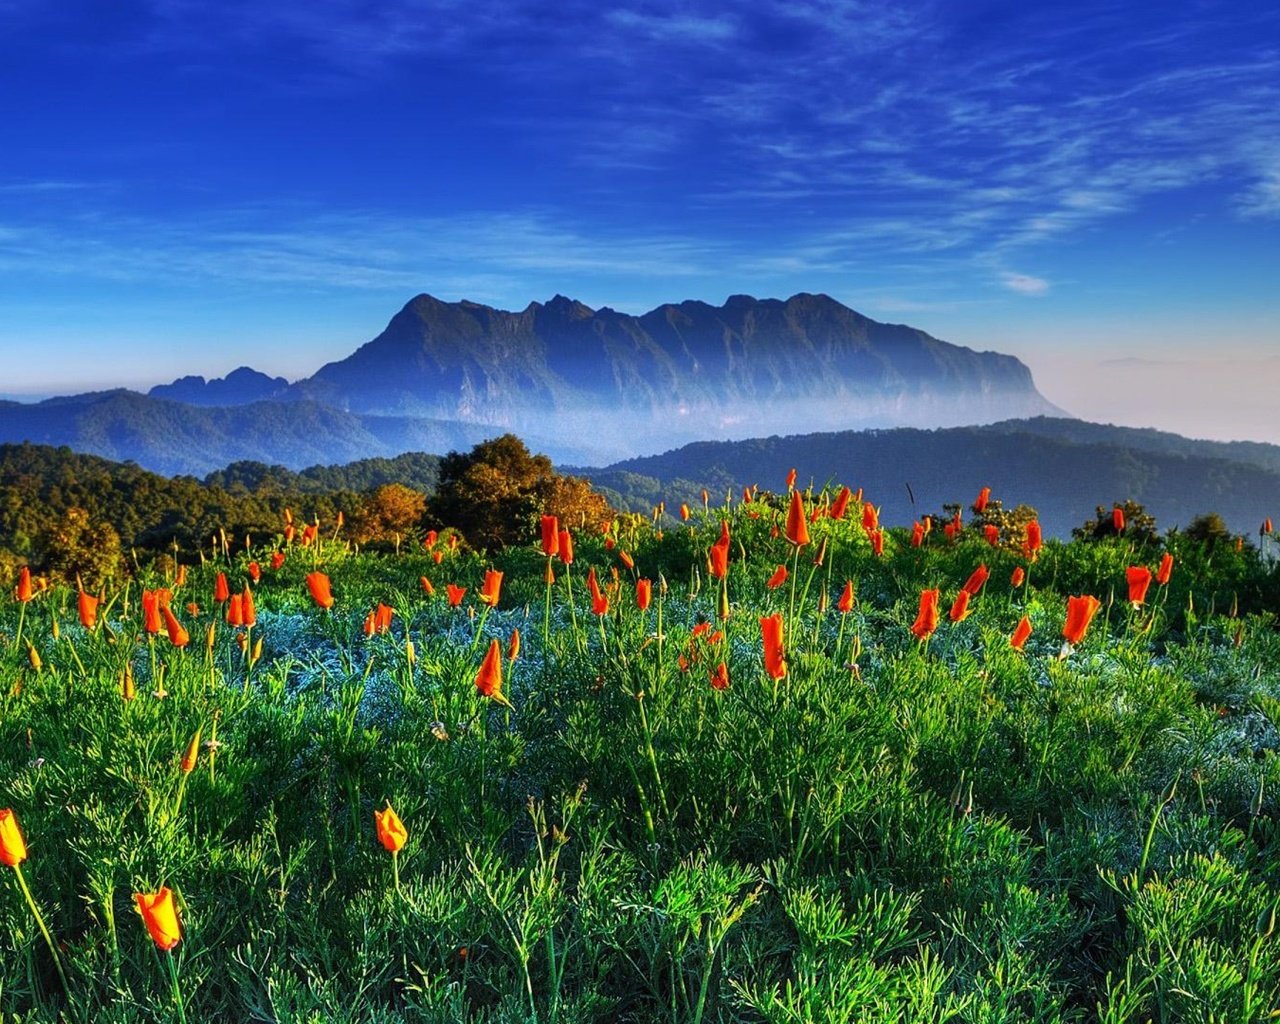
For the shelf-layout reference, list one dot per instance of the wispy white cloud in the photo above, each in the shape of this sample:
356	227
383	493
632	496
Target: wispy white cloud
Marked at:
37	187
1262	198
1024	284
474	255
675	27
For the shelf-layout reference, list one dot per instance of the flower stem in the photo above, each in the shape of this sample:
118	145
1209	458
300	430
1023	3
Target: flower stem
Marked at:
44	930
177	991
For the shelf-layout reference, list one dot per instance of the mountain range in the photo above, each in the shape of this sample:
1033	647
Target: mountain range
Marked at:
582	385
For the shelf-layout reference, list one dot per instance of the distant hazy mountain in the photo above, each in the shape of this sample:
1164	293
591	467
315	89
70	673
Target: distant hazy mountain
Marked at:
239	387
1064	468
172	437
624	384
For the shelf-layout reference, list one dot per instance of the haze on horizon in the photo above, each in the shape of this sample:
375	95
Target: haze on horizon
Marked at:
190	187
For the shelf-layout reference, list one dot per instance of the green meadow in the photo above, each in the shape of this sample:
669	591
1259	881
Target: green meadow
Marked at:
654	814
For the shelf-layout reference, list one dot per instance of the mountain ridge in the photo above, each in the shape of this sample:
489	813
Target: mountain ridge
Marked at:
679	371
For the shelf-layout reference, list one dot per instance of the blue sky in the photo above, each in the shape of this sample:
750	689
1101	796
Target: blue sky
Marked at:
187	186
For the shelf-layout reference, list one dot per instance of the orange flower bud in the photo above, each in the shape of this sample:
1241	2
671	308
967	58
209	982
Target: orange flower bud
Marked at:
489	678
927	618
319	585
193	753
391	831
774	653
13	848
797	523
1080	612
160	916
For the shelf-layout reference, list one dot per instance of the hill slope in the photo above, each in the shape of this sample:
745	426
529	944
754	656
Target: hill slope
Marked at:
912	472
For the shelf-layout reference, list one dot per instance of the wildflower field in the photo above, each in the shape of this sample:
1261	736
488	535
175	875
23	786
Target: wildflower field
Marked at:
763	761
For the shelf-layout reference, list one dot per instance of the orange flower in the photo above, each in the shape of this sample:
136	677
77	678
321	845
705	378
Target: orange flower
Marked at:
778	578
160	917
550	536
455	594
513	646
247	610
368	624
88	608
1018	576
320	587
644	594
927	618
719	566
429	541
1034	540
1117	519
255	571
391	831
960	607
599	602
24	591
1139	579
1266	525
427	587
917	534
489	678
1020	634
992	533
13	848
720	677
382	617
775	663
976	580
491	588
1080	612
980	502
566	547
277	560
684	512
235	610
181	579
151	621
288	534
791	479
797	524
220	589
870	517
845	604
626	559
309	533
437	556
841	504
877	542
193	753
1165	570
178	635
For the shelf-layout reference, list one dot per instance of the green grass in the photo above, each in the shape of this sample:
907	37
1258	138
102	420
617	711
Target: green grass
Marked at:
895	831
